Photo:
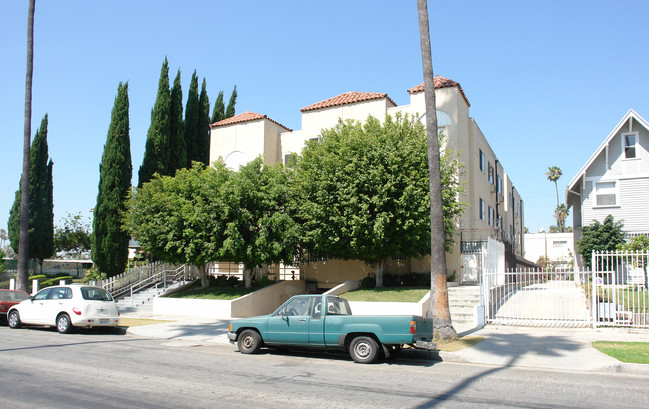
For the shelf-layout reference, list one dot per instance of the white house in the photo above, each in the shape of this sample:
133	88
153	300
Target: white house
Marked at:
557	248
615	180
495	207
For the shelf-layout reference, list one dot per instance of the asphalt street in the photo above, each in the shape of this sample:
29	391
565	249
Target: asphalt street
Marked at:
115	370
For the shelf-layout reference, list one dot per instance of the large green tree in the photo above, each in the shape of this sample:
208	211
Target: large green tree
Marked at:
230	110
177	143
193	126
109	240
41	206
203	148
73	238
363	192
180	219
439	307
158	148
23	257
260	229
219	109
600	237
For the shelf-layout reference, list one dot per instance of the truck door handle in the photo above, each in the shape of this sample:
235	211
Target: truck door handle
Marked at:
302	319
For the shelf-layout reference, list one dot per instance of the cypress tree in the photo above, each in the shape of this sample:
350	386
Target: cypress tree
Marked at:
41	203
192	122
157	149
229	112
204	142
109	240
177	144
219	109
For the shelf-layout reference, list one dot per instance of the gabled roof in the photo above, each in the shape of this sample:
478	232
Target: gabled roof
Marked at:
440	82
245	117
347	98
630	114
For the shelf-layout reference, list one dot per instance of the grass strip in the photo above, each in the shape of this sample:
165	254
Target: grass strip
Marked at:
629	352
454	346
389	294
214	293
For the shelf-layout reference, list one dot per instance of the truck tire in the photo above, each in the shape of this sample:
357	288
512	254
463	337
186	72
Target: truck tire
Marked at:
249	341
364	349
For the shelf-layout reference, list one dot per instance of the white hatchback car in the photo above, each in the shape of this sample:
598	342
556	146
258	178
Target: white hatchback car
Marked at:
66	306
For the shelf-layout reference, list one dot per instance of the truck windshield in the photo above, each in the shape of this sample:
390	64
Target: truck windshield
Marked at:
338	306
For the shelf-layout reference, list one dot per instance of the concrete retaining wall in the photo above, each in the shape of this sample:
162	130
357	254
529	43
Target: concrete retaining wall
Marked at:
391	308
260	302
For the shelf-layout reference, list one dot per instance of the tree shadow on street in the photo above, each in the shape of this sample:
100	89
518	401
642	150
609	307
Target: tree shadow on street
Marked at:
512	347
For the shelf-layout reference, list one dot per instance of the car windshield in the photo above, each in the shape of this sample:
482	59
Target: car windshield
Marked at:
96	294
13	296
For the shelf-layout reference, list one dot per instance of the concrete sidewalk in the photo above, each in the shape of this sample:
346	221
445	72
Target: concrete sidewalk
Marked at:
533	347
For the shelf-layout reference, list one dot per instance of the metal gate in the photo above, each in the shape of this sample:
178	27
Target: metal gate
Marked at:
619	292
536	298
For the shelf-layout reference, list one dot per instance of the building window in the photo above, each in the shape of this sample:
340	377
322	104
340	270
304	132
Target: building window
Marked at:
500	221
559	244
491	174
481	161
399	257
629	141
316	259
482	208
499	185
290	159
491	216
605	194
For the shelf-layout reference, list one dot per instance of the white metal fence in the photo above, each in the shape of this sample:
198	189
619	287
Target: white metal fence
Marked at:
535	298
613	294
619	293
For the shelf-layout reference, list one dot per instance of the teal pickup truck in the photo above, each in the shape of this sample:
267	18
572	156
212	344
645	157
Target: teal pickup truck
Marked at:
326	322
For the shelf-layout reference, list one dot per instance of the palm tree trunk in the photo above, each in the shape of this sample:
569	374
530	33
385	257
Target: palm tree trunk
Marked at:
439	308
23	241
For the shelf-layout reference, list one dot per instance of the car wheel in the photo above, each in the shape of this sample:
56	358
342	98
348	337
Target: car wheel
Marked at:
364	349
63	324
13	319
249	341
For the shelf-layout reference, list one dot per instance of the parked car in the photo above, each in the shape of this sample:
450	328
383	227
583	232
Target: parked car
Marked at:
326	322
65	307
9	298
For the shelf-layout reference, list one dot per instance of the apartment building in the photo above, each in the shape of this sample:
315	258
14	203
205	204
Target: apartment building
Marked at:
495	207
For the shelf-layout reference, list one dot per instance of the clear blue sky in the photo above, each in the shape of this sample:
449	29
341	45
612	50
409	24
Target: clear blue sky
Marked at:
547	80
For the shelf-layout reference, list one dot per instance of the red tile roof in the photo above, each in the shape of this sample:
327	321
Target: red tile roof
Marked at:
347	98
440	82
245	117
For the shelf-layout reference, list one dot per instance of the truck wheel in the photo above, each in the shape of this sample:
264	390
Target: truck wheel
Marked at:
363	350
249	342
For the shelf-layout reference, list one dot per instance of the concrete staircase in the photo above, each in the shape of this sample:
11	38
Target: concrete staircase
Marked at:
142	301
462	302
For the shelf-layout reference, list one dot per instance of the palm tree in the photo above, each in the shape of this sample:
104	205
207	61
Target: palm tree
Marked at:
23	242
553	174
439	308
561	213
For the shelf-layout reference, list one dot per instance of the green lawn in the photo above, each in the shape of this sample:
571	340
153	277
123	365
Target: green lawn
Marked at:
390	294
630	352
214	293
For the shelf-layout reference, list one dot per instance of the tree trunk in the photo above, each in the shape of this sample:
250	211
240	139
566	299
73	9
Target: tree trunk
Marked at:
202	273
247	276
379	267
439	308
23	242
